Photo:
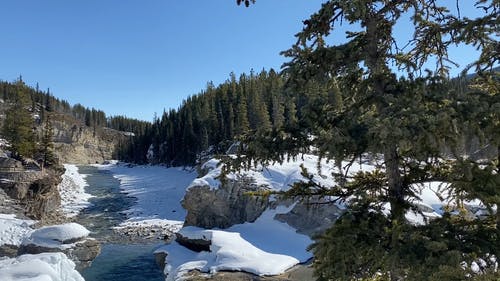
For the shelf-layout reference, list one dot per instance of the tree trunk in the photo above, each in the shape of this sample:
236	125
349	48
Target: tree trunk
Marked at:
395	183
396	200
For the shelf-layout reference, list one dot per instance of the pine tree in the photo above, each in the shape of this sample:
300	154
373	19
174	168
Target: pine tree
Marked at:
18	124
277	107
383	106
242	124
47	155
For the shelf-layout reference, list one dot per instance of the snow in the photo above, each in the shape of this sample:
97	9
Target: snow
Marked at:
40	267
4	143
13	230
228	251
158	190
72	191
276	177
264	247
172	225
279	237
56	236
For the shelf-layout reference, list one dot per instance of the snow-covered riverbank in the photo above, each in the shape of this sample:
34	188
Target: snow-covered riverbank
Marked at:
16	233
158	191
270	243
74	198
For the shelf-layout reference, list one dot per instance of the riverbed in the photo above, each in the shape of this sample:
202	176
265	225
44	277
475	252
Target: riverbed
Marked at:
119	259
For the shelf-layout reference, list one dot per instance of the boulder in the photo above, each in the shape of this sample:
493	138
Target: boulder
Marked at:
71	239
197	245
82	253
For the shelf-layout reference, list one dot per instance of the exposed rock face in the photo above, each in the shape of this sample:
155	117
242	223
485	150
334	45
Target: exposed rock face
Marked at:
310	218
43	198
78	144
35	189
223	207
196	245
82	252
230	204
8	251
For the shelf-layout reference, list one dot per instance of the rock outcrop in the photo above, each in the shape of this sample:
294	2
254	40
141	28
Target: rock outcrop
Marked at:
231	204
71	239
311	217
78	144
82	252
35	189
228	205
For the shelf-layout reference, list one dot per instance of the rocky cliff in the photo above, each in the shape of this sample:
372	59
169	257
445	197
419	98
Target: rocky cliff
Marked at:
223	207
33	188
79	144
231	204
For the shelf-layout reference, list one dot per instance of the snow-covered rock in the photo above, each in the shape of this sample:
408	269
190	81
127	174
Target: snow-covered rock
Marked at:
149	228
209	203
12	233
57	235
276	176
71	239
263	247
228	251
13	230
40	267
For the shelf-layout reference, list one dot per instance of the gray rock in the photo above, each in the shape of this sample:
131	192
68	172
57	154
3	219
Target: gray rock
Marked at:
311	217
8	251
196	245
228	205
160	258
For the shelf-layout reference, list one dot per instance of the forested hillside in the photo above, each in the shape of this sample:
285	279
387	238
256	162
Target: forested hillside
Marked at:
44	101
29	114
213	119
257	105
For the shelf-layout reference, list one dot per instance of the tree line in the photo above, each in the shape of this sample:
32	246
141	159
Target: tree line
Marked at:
30	112
212	120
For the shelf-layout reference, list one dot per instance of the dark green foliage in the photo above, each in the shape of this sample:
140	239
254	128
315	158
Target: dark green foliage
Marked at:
46	147
367	98
215	118
18	127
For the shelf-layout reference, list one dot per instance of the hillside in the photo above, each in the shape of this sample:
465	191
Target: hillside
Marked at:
80	135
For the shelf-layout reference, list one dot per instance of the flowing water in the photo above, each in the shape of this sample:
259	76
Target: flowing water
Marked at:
119	259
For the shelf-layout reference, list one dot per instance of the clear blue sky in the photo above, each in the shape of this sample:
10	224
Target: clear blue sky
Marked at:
133	57
136	57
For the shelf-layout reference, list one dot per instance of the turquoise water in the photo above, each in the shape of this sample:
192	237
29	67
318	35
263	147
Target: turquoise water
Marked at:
118	260
124	263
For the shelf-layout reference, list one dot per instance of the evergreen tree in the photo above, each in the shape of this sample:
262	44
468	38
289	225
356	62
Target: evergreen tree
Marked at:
242	124
408	121
18	124
47	155
49	105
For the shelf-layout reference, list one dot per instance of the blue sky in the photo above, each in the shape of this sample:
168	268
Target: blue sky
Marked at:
134	58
